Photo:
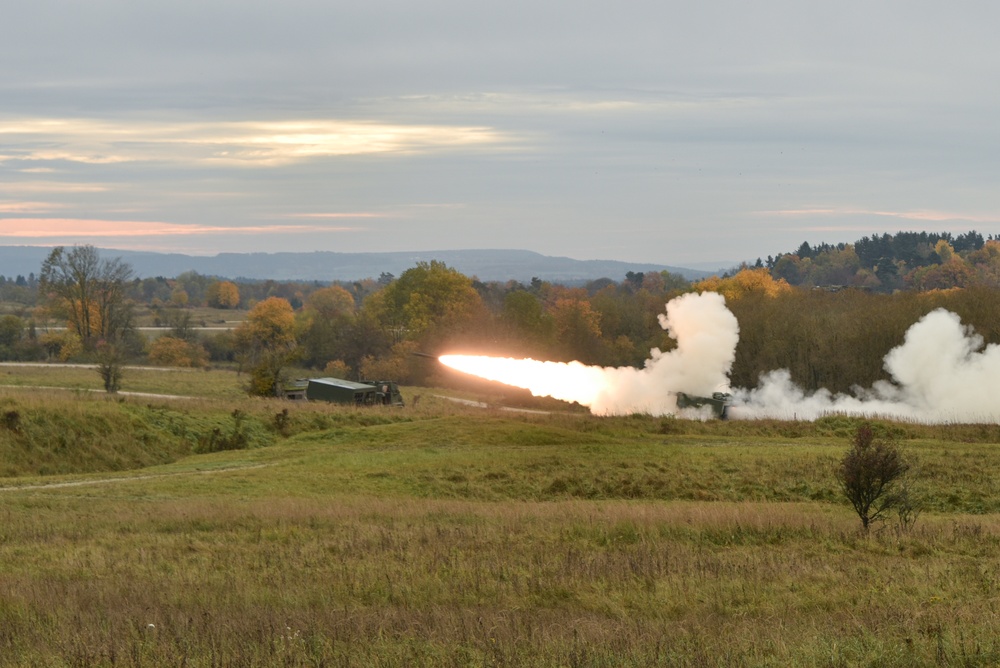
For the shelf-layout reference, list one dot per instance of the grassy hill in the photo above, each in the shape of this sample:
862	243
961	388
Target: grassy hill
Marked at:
446	535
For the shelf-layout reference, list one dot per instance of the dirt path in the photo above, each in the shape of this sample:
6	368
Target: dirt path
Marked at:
66	365
108	481
145	395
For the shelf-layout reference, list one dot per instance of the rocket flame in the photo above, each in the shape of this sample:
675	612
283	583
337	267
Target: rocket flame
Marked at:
571	381
706	333
942	372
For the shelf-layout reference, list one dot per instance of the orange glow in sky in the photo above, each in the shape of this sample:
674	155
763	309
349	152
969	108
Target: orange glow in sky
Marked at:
62	227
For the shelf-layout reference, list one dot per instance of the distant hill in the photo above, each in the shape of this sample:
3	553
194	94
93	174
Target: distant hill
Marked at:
487	265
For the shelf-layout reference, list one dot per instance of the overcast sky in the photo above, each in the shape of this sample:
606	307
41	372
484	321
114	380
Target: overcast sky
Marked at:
679	133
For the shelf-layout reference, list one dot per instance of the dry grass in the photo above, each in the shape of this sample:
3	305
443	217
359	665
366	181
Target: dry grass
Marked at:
448	536
362	581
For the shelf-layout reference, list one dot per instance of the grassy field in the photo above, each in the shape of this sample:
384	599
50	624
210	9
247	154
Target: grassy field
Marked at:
217	383
446	535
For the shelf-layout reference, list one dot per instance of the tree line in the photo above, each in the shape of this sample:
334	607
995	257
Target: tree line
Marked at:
85	310
918	261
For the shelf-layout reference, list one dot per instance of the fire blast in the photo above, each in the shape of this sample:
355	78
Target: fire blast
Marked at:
941	372
706	333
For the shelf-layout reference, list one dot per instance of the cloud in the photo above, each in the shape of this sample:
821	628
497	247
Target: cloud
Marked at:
45	228
51	187
918	215
28	207
335	215
248	143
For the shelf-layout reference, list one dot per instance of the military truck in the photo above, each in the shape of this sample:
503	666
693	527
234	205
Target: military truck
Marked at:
719	402
363	393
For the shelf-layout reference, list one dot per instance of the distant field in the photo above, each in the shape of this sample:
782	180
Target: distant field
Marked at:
201	316
217	383
448	535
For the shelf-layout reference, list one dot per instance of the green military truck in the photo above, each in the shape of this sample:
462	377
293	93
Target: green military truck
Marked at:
363	393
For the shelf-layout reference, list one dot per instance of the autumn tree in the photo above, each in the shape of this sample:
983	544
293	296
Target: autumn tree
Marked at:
325	325
430	299
745	282
61	346
194	284
266	344
952	272
331	302
173	351
181	323
11	330
577	328
628	321
667	282
222	294
179	297
365	336
524	319
90	293
430	304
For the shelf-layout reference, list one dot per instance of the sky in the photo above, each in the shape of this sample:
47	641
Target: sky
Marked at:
677	133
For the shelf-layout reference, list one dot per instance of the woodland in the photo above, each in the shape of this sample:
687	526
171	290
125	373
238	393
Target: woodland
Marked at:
827	314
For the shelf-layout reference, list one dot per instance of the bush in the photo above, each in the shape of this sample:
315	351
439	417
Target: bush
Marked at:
337	369
172	351
872	476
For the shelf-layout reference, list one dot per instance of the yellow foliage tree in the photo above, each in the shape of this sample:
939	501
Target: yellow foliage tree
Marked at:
337	369
179	297
331	302
745	283
429	298
945	251
266	343
171	351
577	328
222	294
62	346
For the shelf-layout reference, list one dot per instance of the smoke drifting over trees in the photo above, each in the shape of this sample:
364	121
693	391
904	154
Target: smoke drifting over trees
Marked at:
788	351
941	372
706	333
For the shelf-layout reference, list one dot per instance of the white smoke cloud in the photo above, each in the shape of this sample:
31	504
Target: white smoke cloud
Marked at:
706	333
940	373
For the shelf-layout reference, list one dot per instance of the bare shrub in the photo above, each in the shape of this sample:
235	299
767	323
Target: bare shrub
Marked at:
872	476
110	360
12	421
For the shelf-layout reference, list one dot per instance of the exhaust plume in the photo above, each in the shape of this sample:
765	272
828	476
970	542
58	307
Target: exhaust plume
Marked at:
706	333
941	372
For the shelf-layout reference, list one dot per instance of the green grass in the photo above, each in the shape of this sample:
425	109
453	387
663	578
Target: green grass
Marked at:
215	383
449	536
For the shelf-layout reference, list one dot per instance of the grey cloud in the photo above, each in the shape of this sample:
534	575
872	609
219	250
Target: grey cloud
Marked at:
648	130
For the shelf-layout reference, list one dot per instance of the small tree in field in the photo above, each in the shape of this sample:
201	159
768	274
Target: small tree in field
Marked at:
266	344
110	358
871	476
